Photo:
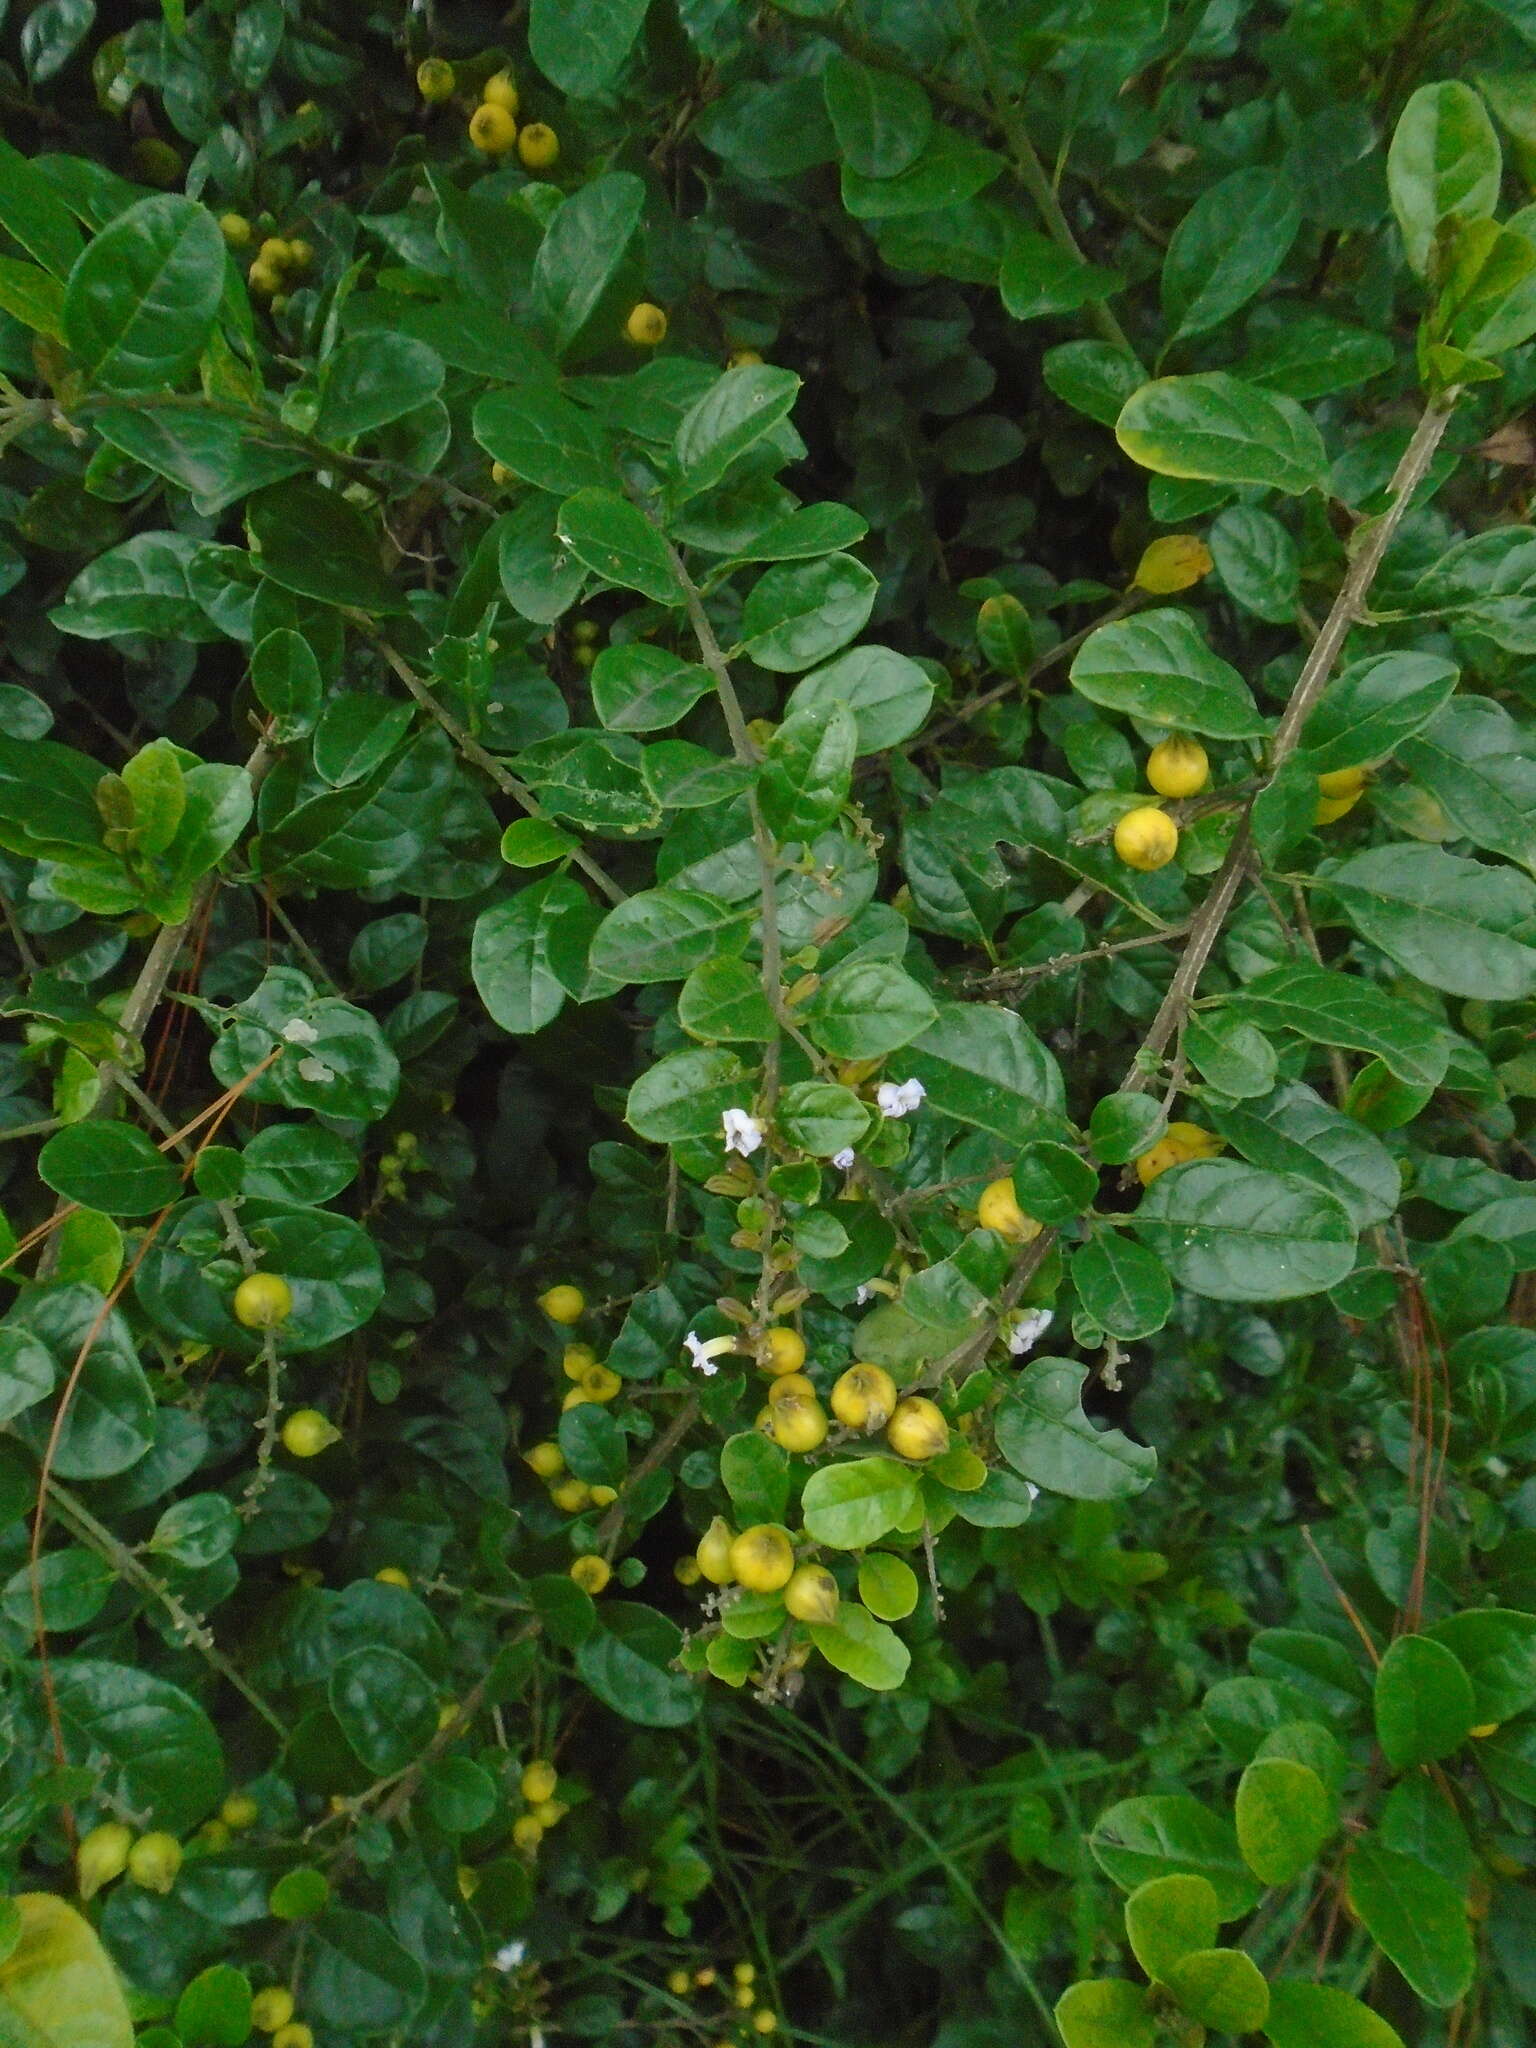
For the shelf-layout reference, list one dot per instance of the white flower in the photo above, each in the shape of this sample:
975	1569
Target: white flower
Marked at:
899	1098
509	1956
1032	1490
703	1351
1028	1330
844	1159
315	1070
862	1293
743	1133
297	1032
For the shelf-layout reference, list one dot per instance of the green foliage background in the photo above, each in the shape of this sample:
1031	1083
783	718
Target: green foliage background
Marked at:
459	763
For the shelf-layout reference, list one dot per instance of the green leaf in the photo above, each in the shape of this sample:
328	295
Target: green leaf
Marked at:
882	121
732	416
1094	377
593	1444
1305	2015
32	213
1044	1434
1284	1814
580	45
142	298
58	1988
628	1663
1327	1007
358	1978
887	1585
372	379
113	1167
1457	924
1418	1917
1053	1183
822	1117
1169	1917
1257	561
1227	247
660	934
862	1648
686	1094
1366	713
1217	428
1122	1286
888	694
637	688
1497	1649
1221	1988
532	842
26	1371
196	1531
1293	1131
852	1505
1166	1832
110	1421
33	297
866	1009
755	1473
1038	278
1236	1233
1473	760
530	951
215	2009
544	439
152	1746
951	169
724	999
615	540
299	1163
983	1064
1108	2012
385	1705
583	251
1444	163
1157	667
317	544
67	1591
797	615
1424	1703
807	771
144	586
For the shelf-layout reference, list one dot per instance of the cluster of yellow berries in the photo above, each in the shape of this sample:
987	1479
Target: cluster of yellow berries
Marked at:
1146	838
272	2012
741	1990
493	125
543	1810
278	264
397	1163
152	1860
1178	1145
864	1398
585	634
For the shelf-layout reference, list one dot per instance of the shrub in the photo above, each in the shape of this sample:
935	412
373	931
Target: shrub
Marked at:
766	834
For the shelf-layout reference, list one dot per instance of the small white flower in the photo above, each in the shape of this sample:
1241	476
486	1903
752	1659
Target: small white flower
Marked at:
899	1098
703	1351
743	1133
844	1159
510	1955
297	1032
1028	1330
1032	1489
862	1293
315	1070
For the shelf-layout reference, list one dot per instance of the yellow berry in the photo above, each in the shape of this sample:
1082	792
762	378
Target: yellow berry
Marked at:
272	2008
527	1832
214	1835
548	1460
571	1496
743	1973
1146	838
781	1350
447	1714
1337	792
235	229
604	1496
1173	563
599	1383
575	1359
591	1573
763	1558
294	2035
307	1433
240	1810
705	1977
765	2020
646	325
713	1555
1179	1144
679	1983
263	1301
154	1860
811	1595
789	1386
102	1855
391	1575
999	1210
538	1781
435	80
1178	766
1484	1729
564	1304
500	91
864	1397
740	358
501	476
538	146
549	1813
798	1424
916	1429
686	1571
275	252
300	254
264	280
492	130
742	1996
468	1880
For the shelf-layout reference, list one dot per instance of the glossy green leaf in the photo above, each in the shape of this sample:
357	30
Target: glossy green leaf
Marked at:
798	615
1457	924
1108	2012
1214	426
1303	2015
881	120
728	420
1163	1833
1122	1286
580	44
1424	1702
862	1648
1237	1233
1045	1435
586	243
1444	164
615	540
530	951
140	301
1417	1917
1221	1988
1227	247
1284	1814
114	1167
58	1986
866	1009
1157	667
852	1505
1167	1918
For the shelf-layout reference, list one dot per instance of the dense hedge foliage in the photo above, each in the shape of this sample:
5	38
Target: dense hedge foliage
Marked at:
768	858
